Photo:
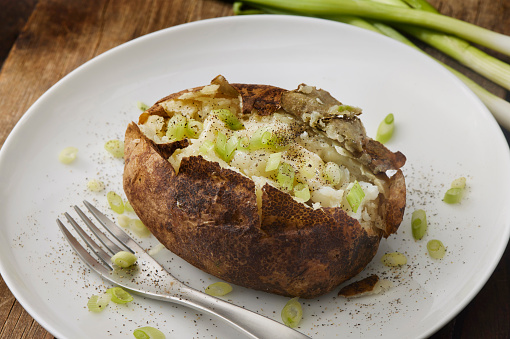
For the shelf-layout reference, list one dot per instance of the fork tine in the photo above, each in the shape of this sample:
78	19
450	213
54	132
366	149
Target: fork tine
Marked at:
105	257
115	230
110	245
82	252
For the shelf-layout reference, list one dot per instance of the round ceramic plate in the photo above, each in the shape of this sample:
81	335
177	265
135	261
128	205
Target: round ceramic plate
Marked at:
441	127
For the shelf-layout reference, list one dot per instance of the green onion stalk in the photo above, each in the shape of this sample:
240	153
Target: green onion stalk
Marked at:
490	67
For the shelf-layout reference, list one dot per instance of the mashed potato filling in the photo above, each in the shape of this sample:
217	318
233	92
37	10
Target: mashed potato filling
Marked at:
278	149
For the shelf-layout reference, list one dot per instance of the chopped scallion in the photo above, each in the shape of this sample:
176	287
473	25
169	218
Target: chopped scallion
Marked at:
273	162
436	249
355	196
115	202
148	332
292	313
176	129
302	192
95	185
68	155
97	303
139	229
419	224
394	259
386	128
194	128
230	120
119	295
218	289
332	173
226	148
115	148
285	176
456	192
141	106
124	259
206	147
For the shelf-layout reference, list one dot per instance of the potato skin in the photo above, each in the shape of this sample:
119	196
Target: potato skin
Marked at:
208	216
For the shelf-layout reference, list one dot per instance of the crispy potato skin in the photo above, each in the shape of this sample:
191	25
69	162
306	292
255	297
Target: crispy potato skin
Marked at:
208	216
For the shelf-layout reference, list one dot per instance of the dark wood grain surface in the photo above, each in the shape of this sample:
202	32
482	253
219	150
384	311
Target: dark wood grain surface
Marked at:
43	40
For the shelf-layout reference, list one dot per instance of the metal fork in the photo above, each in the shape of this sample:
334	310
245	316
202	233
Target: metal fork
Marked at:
150	279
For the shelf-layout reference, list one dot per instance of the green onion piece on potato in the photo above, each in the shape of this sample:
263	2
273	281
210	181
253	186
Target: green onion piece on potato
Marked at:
285	176
355	196
230	120
273	161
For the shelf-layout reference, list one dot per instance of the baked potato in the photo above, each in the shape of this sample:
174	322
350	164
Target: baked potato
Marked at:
275	190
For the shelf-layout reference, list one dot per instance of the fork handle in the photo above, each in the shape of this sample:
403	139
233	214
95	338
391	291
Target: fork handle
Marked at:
252	324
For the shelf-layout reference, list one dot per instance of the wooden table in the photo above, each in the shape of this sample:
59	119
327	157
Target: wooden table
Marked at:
43	40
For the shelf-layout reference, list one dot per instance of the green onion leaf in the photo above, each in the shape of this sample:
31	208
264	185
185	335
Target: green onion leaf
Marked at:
97	303
394	259
115	202
124	259
115	148
355	196
273	161
292	313
230	120
385	130
436	249
453	195
124	220
68	155
285	176
302	192
176	129
119	295
419	224
218	289
148	332
226	148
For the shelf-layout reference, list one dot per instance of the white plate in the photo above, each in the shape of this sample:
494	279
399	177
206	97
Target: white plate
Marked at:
444	131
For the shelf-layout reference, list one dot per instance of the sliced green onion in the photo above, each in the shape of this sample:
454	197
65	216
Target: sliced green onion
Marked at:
225	148
343	108
302	192
206	147
332	173
453	195
141	106
459	183
194	128
124	221
386	128
419	224
230	120
218	289
273	162
115	202
95	185
97	303
139	229
394	259
124	259
68	155
115	148
119	295
128	207
292	313
436	249
285	176
176	129
260	139
148	332
355	196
